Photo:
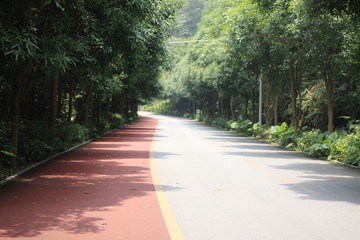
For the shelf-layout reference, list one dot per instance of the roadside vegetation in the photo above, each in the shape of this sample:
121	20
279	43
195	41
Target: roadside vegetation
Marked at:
74	69
303	53
342	146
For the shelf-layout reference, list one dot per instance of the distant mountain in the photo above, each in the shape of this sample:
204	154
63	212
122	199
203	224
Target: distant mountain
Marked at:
188	18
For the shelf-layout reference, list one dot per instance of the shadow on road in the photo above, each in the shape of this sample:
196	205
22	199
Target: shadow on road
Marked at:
330	182
73	192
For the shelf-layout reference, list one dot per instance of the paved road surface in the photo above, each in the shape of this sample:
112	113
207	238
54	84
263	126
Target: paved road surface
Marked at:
209	184
101	191
224	186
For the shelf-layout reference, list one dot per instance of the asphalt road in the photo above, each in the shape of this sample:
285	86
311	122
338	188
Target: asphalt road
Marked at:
223	186
103	190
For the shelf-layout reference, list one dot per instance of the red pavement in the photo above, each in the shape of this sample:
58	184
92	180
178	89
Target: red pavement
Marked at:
103	190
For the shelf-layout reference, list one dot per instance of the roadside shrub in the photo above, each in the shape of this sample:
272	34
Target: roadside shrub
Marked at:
273	132
6	150
241	126
285	136
199	115
103	126
34	141
117	120
70	134
187	115
257	131
245	126
220	122
233	125
306	139
346	148
319	144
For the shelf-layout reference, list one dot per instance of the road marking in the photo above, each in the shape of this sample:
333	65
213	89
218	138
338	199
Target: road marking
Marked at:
300	186
173	229
244	159
226	149
249	162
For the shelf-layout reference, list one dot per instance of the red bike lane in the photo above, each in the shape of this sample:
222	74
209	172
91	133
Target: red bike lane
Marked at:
102	190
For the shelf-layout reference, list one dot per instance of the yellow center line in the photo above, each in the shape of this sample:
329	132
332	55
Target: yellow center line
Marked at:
300	186
173	228
244	159
226	149
249	162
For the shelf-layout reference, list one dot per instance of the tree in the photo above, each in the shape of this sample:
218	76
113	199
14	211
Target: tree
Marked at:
98	49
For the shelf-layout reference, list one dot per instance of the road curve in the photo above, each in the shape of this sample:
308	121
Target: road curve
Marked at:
223	186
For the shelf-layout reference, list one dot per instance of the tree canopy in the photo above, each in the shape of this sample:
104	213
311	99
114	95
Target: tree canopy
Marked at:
304	52
78	61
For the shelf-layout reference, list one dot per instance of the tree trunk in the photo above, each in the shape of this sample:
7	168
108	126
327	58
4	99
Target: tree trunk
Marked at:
16	117
113	103
293	95
98	110
59	101
295	92
189	106
71	96
253	105
126	107
246	108
134	107
232	103
107	108
329	80
213	105
122	104
53	110
86	104
227	104
15	107
222	106
94	105
266	94
267	111
276	108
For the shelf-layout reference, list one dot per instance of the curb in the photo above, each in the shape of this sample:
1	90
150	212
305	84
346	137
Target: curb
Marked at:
8	179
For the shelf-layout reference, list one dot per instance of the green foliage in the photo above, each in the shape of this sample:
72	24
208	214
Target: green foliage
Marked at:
341	146
161	106
220	122
188	18
319	148
36	144
76	59
8	153
346	147
34	141
199	116
70	134
117	120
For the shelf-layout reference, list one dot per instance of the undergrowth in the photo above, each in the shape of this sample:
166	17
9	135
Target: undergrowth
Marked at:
343	145
36	143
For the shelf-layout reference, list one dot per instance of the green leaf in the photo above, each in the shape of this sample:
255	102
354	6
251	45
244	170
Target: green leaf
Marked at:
345	117
8	153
